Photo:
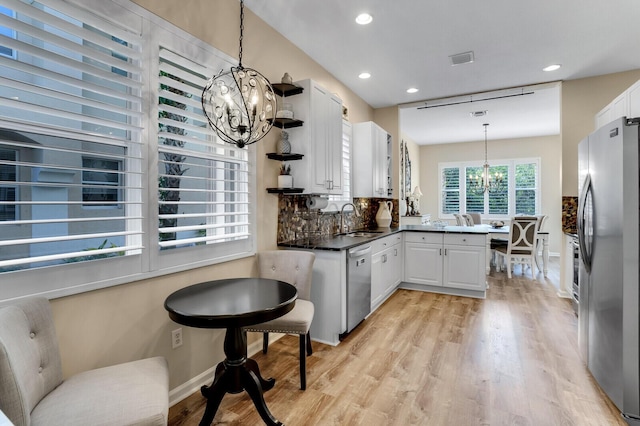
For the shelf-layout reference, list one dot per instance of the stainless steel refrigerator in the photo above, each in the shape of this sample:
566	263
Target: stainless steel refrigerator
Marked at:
608	234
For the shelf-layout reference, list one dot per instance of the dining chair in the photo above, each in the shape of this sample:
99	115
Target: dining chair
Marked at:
477	218
294	267
460	221
33	391
523	235
468	220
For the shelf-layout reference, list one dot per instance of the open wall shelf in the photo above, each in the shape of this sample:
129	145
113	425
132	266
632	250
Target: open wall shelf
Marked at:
285	190
284	157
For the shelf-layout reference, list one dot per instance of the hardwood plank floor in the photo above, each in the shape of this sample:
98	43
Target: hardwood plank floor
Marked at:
431	359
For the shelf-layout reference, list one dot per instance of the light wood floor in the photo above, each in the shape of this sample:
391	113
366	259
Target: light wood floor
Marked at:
430	359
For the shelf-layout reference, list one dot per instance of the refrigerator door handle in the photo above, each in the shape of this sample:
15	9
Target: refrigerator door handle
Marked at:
585	251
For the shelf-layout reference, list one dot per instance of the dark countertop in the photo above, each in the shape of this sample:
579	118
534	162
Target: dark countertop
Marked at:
343	242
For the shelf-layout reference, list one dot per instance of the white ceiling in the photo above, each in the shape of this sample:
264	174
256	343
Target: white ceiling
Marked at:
409	42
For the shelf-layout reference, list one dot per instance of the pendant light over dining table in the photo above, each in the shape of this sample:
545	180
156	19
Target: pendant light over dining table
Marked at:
240	103
485	182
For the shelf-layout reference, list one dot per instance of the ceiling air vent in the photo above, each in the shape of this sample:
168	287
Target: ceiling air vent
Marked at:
461	58
478	113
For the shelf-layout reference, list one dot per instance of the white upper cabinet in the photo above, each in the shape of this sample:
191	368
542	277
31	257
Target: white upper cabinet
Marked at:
319	140
627	104
371	161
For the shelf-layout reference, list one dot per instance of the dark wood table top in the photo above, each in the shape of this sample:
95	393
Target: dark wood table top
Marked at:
234	302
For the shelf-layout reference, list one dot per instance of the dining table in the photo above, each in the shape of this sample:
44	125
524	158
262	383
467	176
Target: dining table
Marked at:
233	304
503	232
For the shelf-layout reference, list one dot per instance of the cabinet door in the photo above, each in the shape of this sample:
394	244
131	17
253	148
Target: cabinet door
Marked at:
464	267
370	163
377	280
334	142
325	128
393	268
604	116
318	141
380	162
619	106
634	100
423	263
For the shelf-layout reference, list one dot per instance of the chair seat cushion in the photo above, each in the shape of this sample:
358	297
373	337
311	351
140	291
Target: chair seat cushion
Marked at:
296	321
514	252
133	393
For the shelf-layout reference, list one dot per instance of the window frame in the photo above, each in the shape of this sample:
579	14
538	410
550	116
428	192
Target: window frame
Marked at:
150	261
462	189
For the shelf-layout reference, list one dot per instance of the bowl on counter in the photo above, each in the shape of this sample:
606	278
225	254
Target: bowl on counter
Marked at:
496	224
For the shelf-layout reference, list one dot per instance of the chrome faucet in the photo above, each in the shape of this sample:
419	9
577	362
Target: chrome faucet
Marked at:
355	209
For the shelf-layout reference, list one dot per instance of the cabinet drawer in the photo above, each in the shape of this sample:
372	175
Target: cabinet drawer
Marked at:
386	242
423	237
465	239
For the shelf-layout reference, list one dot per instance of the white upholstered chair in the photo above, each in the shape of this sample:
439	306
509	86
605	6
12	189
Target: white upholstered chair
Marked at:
294	267
32	391
468	220
522	245
477	218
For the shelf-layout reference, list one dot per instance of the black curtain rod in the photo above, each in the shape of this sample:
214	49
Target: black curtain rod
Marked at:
479	100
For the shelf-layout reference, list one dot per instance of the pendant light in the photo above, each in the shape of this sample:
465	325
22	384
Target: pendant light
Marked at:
240	103
486	182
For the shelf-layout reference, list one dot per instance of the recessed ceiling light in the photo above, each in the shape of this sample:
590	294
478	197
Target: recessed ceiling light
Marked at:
412	90
364	19
552	67
364	75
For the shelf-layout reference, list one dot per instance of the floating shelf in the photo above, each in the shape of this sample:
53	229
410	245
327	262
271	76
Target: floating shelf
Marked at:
284	157
284	89
287	123
285	190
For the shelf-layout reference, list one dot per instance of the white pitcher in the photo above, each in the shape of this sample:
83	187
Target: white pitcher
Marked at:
383	217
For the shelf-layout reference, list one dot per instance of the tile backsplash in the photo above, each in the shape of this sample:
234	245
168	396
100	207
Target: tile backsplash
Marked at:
296	221
569	214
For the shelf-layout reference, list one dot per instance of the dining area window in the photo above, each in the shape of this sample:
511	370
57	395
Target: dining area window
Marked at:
516	193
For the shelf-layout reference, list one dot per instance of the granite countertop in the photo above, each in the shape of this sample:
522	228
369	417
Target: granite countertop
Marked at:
343	242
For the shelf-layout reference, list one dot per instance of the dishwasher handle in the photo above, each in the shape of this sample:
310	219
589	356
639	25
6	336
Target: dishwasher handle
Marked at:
360	252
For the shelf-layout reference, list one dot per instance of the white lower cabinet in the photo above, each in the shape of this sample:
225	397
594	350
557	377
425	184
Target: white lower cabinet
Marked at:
447	263
386	268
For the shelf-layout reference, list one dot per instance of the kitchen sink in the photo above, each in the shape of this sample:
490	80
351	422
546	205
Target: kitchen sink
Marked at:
362	234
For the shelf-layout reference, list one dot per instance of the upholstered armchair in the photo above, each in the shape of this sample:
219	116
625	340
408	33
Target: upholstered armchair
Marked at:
294	267
33	392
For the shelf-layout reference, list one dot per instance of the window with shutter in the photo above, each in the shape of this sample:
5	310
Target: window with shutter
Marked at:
108	170
517	194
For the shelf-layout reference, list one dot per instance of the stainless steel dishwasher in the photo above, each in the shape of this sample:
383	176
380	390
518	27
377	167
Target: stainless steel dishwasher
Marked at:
358	285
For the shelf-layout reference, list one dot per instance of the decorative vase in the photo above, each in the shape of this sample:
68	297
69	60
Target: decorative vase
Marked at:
284	146
403	207
383	217
285	181
286	79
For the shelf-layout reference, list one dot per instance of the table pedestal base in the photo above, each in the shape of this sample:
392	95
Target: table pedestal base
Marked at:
235	374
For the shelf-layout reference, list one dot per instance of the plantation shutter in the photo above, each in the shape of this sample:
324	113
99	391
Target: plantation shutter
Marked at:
450	190
203	183
70	107
526	188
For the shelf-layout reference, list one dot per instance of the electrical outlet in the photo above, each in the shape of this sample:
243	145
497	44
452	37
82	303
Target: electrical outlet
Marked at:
176	338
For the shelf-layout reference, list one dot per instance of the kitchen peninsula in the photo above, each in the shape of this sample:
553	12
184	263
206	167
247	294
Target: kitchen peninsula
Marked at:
448	260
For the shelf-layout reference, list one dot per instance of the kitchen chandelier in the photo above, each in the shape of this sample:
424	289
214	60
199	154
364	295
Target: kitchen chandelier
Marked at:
486	182
240	103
